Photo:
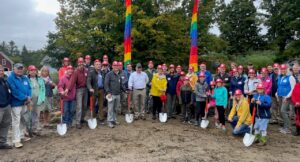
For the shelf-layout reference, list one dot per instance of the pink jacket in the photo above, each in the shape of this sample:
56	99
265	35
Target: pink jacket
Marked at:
62	85
267	82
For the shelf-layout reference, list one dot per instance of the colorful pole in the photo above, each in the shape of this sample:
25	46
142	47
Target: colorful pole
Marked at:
127	34
194	36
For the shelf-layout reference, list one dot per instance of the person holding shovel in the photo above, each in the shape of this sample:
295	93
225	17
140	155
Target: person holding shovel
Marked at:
21	96
201	90
68	97
186	98
38	92
95	85
5	110
240	117
296	101
263	104
137	84
158	88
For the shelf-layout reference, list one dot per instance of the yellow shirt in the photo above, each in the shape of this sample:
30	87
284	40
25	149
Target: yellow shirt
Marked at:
193	80
242	111
158	85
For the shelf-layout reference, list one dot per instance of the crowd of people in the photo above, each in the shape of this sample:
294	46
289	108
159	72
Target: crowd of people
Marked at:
237	96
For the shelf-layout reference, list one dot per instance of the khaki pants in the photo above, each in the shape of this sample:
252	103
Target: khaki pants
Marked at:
100	98
139	102
275	109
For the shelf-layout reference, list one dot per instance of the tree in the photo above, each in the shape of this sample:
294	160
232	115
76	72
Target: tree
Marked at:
13	49
282	19
239	26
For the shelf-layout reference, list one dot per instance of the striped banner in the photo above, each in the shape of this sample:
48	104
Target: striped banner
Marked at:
127	34
194	36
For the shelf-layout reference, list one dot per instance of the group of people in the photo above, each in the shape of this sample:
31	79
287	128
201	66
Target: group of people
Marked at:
238	96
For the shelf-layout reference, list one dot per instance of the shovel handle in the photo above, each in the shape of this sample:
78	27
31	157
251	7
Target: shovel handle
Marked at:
61	106
128	100
253	114
91	103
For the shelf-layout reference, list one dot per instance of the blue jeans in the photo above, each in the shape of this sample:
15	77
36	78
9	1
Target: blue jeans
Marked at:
242	130
68	112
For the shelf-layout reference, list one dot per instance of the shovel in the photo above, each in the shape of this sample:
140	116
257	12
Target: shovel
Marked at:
62	127
249	137
205	122
29	107
92	122
129	115
163	116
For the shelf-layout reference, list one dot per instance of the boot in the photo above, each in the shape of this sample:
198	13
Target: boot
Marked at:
257	138
263	140
297	133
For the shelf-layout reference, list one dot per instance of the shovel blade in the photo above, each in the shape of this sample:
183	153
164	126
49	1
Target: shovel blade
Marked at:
163	117
129	118
204	124
248	139
92	123
61	129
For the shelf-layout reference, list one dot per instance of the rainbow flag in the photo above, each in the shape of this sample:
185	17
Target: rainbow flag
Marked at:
194	36
127	34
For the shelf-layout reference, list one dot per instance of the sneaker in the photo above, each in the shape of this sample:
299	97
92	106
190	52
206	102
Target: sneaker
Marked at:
190	122
216	125
197	123
78	126
115	123
18	145
153	117
143	117
224	128
219	126
25	139
285	131
110	125
5	146
296	134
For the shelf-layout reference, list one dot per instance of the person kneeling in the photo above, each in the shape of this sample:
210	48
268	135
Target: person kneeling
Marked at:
263	114
240	117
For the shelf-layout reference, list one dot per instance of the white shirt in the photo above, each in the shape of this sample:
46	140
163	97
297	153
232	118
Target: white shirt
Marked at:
138	80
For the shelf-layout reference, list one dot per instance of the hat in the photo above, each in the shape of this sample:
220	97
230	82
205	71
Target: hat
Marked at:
138	65
87	57
70	67
212	83
105	57
186	78
115	63
172	66
240	67
251	71
97	60
260	86
276	66
66	59
178	67
283	66
234	70
18	66
105	63
202	75
80	60
238	92
264	70
31	68
159	67
219	81
182	73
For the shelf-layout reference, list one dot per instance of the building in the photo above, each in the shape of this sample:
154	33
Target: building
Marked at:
6	62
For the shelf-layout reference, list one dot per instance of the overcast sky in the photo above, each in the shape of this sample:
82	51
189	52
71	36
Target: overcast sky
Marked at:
28	21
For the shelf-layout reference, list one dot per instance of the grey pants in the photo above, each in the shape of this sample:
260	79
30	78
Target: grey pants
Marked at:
81	104
285	111
5	122
139	102
112	108
171	100
276	115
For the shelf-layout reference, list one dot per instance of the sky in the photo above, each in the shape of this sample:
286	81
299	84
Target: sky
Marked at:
27	22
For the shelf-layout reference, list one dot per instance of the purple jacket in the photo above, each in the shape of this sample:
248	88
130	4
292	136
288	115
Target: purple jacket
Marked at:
62	85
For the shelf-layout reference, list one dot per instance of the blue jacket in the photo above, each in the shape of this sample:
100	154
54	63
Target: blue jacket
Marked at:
237	83
208	76
284	86
4	93
172	82
263	110
20	89
221	96
274	83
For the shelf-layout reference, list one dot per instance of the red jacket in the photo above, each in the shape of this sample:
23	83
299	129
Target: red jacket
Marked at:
62	86
61	72
78	79
179	84
296	94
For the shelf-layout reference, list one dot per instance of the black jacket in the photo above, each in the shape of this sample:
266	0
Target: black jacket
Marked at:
5	95
113	83
92	81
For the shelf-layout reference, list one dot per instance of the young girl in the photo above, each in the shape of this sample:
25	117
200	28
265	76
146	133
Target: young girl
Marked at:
67	97
201	89
221	96
262	116
250	86
212	103
186	98
38	97
49	85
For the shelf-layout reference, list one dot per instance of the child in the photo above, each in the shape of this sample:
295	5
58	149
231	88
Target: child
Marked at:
221	95
263	104
296	101
201	89
178	86
212	102
186	98
67	97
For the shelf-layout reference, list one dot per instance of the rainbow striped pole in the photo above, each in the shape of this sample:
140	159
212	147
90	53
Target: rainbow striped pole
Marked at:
127	34
194	36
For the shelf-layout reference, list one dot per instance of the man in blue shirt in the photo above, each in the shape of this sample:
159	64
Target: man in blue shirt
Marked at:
21	97
208	75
